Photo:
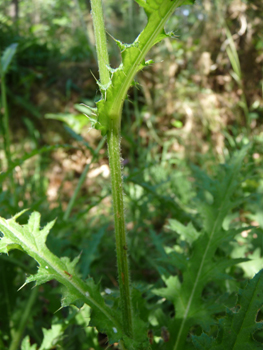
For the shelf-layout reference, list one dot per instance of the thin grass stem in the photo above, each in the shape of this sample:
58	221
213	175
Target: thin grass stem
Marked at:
17	336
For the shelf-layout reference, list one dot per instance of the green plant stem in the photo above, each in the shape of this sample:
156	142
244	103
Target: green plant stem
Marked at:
17	336
81	180
119	220
113	138
101	42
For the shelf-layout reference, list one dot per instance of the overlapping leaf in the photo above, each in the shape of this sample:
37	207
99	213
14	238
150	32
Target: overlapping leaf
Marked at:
201	266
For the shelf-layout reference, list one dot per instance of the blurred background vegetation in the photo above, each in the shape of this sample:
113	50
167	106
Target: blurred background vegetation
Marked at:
200	101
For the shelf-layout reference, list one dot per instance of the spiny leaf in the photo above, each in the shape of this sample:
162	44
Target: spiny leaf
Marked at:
133	55
237	328
31	239
201	266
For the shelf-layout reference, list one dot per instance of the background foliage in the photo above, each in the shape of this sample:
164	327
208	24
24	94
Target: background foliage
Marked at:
200	102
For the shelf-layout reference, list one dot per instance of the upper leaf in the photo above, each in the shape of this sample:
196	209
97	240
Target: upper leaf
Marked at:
133	56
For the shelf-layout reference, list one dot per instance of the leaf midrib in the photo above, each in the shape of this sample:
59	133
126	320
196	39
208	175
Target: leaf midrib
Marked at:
122	91
201	267
251	302
57	269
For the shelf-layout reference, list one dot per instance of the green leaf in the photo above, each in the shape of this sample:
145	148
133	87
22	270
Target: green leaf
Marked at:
133	56
51	336
31	238
202	266
204	342
187	233
76	121
26	344
238	327
7	58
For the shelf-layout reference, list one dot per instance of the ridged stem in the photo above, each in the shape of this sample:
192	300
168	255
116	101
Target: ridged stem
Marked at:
101	42
113	138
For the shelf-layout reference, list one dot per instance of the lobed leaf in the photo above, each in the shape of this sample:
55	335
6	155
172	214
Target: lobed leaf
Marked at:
32	239
187	233
133	59
201	266
238	327
26	344
51	336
